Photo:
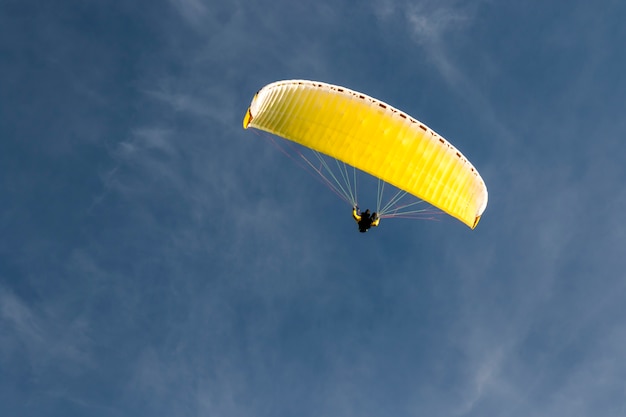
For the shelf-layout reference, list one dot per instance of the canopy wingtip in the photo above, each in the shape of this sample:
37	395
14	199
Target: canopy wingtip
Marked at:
247	119
476	220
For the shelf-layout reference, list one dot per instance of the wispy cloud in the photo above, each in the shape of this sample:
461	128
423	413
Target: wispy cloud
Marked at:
430	23
193	11
42	337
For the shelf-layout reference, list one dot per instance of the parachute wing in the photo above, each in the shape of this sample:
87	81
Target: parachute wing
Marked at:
373	137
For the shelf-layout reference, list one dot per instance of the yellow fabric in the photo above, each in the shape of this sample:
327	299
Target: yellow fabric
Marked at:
373	137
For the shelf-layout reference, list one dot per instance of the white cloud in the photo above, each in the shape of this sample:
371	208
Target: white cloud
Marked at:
430	23
43	336
194	11
182	102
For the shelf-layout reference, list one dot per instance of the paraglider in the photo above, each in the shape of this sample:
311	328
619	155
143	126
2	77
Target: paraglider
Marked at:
373	137
365	220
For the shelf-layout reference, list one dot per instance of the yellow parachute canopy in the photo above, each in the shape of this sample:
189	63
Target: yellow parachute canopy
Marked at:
373	137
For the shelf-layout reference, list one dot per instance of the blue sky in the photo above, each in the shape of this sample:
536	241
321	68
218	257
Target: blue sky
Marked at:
156	259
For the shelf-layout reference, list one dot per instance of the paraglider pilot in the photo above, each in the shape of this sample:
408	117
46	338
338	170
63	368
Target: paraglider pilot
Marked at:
365	220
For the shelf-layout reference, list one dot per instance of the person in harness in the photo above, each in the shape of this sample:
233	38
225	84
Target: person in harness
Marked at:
365	220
